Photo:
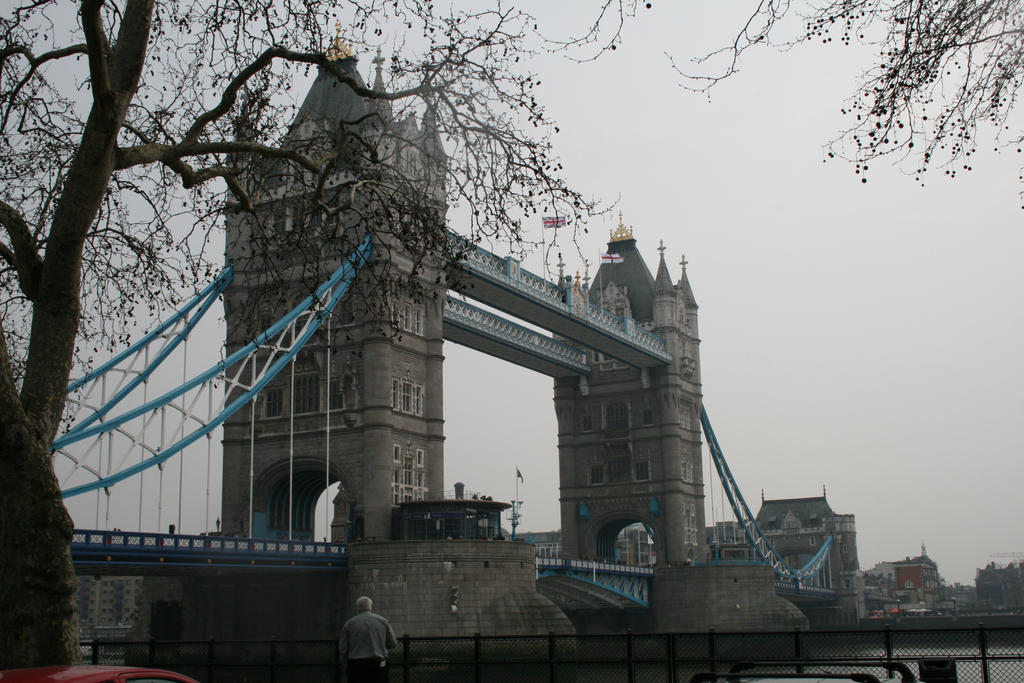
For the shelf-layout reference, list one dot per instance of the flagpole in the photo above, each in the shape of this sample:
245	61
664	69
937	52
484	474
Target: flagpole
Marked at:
515	505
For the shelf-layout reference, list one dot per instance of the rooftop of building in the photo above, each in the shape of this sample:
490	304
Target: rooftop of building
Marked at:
808	511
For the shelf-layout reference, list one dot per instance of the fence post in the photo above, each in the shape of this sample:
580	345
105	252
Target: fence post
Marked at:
630	668
273	659
551	657
888	643
670	651
96	651
712	652
797	651
152	653
983	650
406	650
477	672
209	661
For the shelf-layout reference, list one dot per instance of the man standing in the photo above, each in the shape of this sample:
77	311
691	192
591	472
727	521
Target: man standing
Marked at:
364	644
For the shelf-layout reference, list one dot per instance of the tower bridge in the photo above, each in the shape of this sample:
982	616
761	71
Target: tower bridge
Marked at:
324	397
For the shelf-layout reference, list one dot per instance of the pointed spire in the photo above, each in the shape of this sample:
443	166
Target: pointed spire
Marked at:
382	106
684	284
429	120
378	78
662	281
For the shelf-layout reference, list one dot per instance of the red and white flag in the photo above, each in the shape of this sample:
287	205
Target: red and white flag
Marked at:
611	258
554	221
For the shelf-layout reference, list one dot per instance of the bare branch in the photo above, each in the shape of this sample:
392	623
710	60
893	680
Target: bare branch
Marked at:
98	48
24	257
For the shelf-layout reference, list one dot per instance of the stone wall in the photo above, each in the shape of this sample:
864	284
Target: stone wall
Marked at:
722	598
242	605
452	588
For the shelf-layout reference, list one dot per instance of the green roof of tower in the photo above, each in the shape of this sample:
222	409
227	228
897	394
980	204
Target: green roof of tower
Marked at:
632	272
331	100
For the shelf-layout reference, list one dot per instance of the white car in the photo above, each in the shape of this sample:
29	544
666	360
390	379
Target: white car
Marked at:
860	672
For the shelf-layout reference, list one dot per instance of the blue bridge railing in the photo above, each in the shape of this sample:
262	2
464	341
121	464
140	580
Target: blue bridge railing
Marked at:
628	581
141	548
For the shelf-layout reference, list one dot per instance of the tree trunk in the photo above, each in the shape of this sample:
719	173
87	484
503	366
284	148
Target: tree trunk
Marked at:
38	620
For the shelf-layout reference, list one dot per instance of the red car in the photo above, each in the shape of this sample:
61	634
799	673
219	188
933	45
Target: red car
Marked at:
92	674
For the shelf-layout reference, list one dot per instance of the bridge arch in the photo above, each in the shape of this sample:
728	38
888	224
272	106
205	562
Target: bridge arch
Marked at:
605	534
303	482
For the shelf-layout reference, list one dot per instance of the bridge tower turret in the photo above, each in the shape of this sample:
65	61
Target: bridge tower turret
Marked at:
362	403
629	438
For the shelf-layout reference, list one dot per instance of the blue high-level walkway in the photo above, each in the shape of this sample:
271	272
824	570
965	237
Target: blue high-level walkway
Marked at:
565	310
484	331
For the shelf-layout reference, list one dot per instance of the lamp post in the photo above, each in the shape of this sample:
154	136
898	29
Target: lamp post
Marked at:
515	516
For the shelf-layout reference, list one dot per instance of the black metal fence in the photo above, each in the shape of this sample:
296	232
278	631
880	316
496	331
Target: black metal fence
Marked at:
980	655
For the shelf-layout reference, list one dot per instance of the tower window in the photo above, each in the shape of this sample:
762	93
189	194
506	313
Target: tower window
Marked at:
407	397
406	406
273	402
307	394
587	423
642	470
618	470
410	319
618	418
596	474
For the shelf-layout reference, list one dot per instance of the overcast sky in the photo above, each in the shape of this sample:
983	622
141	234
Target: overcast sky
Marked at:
860	337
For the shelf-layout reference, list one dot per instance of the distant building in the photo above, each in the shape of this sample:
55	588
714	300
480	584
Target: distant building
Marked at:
107	602
917	581
635	546
798	527
884	570
1000	587
546	543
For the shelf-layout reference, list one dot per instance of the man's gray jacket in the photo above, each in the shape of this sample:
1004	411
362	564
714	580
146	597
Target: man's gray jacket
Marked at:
366	635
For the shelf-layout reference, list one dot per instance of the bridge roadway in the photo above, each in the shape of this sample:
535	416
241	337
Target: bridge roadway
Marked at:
603	585
132	552
503	284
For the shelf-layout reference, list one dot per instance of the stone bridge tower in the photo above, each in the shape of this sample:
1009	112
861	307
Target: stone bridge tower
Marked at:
362	403
629	438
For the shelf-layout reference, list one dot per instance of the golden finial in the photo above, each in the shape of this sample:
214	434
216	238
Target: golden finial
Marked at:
622	232
338	49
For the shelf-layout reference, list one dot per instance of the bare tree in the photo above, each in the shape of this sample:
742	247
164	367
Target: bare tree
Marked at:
121	129
946	69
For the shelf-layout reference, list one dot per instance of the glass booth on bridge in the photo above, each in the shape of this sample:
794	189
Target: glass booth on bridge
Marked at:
473	519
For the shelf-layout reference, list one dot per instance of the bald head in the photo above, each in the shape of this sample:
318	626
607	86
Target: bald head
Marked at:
364	604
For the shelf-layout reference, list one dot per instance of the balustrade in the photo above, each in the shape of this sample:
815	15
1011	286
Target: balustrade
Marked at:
507	272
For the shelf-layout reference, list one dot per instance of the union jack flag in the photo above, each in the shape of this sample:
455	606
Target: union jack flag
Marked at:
611	258
554	221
